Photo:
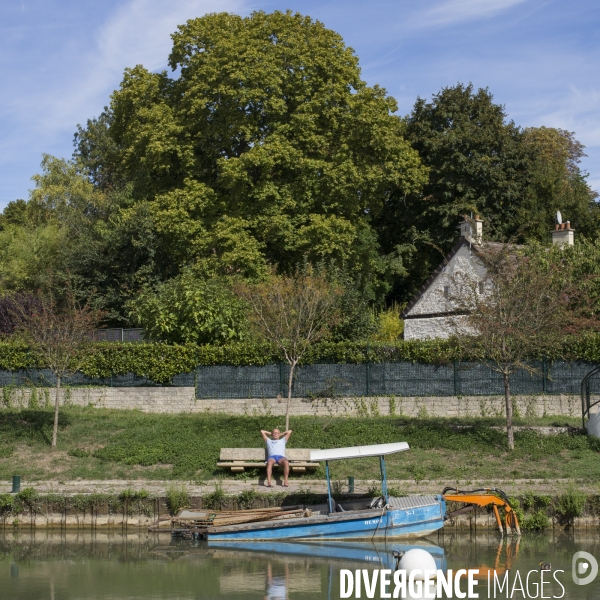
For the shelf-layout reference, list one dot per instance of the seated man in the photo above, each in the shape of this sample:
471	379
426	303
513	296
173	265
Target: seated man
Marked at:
276	453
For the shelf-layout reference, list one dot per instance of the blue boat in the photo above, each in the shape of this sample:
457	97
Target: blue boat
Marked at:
383	518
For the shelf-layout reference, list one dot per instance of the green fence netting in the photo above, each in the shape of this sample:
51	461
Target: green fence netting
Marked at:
387	379
45	378
339	380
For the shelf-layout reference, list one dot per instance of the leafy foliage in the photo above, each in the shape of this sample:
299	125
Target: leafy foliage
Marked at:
390	325
254	152
192	308
555	183
571	504
161	362
13	305
178	498
263	147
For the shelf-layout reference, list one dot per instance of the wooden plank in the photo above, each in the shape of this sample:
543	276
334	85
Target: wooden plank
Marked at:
245	454
237	468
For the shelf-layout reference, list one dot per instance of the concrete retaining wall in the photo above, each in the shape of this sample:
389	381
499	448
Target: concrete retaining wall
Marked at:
182	399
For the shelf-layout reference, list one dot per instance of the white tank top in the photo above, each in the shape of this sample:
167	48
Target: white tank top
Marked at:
276	447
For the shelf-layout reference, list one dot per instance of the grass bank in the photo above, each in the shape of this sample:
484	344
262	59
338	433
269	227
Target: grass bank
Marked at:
118	444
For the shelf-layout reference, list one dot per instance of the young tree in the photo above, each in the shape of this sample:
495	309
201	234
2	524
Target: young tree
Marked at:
292	312
522	307
60	334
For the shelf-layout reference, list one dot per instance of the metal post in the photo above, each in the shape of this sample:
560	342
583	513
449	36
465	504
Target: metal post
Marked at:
587	398
455	379
281	380
544	375
384	491
351	484
329	498
16	484
367	373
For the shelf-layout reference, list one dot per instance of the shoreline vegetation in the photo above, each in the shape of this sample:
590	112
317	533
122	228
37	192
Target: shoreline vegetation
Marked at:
28	509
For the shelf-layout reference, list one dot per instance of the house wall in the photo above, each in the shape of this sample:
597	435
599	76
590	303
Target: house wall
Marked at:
464	266
430	327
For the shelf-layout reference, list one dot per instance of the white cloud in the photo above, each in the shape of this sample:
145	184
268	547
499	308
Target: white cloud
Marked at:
138	33
42	109
451	12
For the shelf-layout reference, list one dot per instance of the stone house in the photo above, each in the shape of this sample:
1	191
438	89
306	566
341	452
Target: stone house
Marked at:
431	312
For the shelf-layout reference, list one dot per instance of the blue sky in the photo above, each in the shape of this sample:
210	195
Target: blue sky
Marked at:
61	59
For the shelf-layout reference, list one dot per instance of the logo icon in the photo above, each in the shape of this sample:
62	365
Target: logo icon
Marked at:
584	567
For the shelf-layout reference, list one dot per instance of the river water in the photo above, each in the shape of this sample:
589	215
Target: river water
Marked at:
79	566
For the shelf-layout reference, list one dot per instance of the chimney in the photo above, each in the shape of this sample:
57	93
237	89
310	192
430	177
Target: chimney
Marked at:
563	235
472	229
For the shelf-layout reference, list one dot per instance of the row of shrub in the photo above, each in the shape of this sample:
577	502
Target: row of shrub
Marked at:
161	362
537	511
29	502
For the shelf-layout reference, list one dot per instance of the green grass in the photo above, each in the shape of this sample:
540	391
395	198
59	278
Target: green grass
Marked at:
114	444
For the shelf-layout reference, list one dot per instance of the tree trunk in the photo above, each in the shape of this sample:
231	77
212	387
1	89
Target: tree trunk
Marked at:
509	413
55	430
289	399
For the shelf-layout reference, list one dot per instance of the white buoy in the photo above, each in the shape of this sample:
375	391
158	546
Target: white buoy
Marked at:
418	559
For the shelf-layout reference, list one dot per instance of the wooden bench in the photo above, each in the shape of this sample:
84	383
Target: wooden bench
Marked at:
240	459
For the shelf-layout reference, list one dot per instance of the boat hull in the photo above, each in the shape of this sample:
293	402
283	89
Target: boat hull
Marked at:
389	524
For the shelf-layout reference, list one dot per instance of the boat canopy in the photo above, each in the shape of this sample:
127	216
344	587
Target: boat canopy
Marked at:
358	451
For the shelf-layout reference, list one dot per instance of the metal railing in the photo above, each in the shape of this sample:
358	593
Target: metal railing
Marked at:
586	394
119	334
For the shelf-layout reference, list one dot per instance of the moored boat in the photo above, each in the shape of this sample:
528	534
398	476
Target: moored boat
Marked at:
382	518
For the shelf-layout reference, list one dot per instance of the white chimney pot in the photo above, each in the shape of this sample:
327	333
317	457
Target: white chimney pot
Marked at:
563	235
472	230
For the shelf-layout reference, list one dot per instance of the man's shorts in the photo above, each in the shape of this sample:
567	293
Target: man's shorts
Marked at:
276	457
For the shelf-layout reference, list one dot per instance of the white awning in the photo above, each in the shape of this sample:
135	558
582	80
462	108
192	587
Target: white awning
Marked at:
358	451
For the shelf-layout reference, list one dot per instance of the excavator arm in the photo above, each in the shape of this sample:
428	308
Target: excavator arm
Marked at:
484	497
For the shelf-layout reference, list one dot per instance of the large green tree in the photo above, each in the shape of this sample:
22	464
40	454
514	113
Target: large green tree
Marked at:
265	141
481	162
476	164
555	182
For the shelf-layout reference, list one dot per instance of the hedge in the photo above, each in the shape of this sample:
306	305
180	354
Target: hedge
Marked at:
160	362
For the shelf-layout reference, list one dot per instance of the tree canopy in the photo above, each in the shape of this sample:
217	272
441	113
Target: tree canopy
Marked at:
266	147
263	148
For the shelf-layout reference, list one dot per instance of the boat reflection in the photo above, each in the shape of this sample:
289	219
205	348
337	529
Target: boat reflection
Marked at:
377	554
279	581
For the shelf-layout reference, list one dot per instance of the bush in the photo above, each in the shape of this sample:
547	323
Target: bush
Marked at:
215	499
178	498
570	505
78	453
535	522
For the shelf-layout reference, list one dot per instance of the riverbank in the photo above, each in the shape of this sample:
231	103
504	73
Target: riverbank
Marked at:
567	507
128	446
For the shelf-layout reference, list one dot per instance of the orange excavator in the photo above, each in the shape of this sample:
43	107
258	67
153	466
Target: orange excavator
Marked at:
484	497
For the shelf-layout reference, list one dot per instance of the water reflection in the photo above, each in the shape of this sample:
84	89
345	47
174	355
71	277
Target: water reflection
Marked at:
65	566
